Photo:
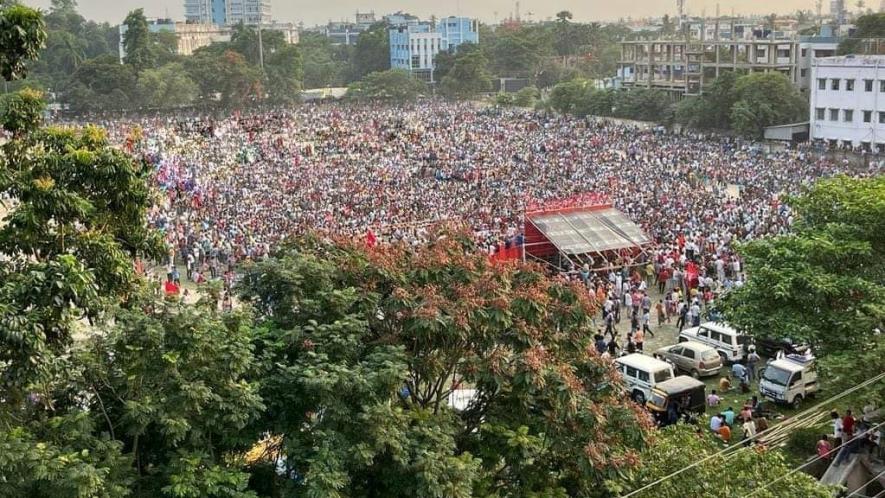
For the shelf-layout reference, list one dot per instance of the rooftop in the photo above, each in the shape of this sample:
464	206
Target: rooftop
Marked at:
851	60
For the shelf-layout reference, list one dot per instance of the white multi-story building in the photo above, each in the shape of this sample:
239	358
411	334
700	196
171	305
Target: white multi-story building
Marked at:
848	101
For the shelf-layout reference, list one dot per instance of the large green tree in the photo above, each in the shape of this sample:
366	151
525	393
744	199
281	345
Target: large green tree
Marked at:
284	71
137	41
166	87
372	51
765	99
22	35
469	74
395	85
366	349
825	283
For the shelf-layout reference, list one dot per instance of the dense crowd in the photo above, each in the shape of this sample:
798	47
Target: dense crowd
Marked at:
233	187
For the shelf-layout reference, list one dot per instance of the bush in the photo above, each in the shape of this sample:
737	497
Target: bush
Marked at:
802	443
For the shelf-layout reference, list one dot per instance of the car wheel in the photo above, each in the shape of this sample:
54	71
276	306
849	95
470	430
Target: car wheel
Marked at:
695	374
797	402
638	397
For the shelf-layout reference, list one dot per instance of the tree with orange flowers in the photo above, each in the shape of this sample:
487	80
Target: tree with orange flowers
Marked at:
431	371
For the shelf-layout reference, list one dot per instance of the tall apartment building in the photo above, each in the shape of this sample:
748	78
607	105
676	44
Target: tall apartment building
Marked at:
227	12
847	104
414	45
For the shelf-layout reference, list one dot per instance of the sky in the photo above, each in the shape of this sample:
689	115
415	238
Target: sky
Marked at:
314	12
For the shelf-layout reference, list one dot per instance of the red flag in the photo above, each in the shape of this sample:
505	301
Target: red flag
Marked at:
371	240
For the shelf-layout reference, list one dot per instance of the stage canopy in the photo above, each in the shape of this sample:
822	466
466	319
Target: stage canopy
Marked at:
581	230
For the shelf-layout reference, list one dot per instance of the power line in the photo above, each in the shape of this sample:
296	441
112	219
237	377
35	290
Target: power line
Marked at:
843	447
741	443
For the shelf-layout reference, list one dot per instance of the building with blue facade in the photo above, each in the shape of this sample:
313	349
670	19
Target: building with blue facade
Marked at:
414	44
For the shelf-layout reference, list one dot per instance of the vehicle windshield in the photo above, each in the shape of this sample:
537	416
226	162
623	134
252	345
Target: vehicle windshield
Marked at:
709	355
662	375
776	376
658	400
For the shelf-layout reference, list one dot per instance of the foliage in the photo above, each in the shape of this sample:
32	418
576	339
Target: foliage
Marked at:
469	75
324	64
22	35
166	87
396	85
227	78
517	52
77	222
102	84
868	26
244	40
137	41
765	99
170	383
285	70
579	97
738	473
386	337
526	97
802	443
823	284
372	52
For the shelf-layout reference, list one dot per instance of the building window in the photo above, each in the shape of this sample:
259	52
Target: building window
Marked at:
821	84
834	84
848	115
804	52
882	85
882	118
849	85
867	116
834	114
803	72
868	85
820	114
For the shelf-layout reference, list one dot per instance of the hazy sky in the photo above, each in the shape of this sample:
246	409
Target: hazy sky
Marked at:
315	11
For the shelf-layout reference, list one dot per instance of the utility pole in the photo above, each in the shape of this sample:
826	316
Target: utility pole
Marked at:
260	43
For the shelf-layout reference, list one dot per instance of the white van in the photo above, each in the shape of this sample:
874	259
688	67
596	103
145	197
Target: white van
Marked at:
728	342
642	373
790	379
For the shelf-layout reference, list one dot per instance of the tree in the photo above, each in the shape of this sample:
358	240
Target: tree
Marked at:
386	337
244	40
285	70
823	284
226	79
137	41
868	26
323	63
166	87
765	99
518	51
468	76
676	447
101	84
170	382
395	85
22	35
564	33
372	52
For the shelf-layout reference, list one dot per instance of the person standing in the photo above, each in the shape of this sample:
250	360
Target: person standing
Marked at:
749	429
848	422
837	426
752	360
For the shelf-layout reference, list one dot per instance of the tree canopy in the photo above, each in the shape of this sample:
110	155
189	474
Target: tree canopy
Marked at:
823	284
390	337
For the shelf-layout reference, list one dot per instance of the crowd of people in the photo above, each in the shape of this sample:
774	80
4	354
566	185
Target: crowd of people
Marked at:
235	186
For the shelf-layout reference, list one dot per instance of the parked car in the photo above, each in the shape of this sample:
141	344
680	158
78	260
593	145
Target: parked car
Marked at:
769	347
641	373
678	397
789	380
695	358
728	342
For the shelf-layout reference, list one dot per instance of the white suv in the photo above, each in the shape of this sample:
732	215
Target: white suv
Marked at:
728	342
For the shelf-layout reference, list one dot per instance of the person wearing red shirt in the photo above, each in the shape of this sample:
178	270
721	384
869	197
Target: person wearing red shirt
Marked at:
847	427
